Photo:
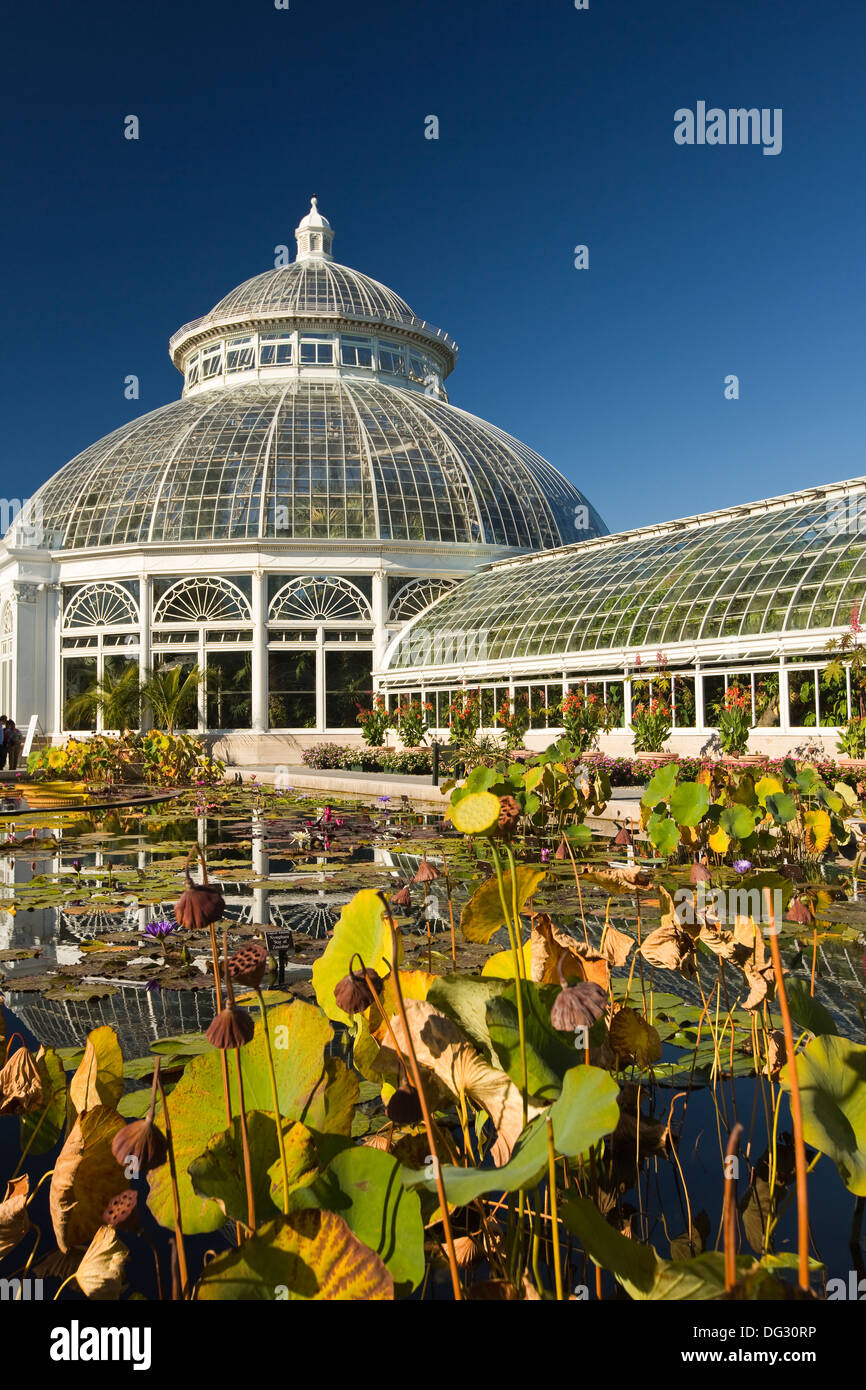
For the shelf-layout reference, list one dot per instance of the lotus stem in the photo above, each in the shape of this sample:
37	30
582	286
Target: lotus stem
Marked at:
425	1110
554	1216
276	1099
175	1195
729	1209
796	1106
447	878
515	950
242	1111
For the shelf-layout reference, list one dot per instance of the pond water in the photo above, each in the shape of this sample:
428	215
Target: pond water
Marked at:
79	890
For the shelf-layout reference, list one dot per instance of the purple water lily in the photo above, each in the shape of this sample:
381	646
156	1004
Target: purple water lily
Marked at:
545	855
160	930
742	866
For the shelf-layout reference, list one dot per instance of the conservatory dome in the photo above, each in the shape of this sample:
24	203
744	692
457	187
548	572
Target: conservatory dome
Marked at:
313	408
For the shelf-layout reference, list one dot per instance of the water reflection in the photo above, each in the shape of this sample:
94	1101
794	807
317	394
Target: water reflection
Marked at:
140	1012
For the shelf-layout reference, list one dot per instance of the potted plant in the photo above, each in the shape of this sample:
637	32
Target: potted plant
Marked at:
375	722
734	724
412	723
852	743
584	717
652	727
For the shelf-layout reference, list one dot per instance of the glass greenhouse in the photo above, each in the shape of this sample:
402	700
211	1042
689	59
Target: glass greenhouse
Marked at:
311	491
747	597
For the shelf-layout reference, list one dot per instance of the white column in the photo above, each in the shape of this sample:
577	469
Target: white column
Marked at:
380	616
699	699
144	636
260	653
784	706
202	693
626	701
320	679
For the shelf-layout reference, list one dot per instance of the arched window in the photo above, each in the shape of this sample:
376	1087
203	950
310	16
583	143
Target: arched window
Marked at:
101	605
202	601
319	600
417	595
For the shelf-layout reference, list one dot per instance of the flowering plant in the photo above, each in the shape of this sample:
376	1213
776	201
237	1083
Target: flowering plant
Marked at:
651	724
412	723
735	721
514	718
464	715
584	717
375	721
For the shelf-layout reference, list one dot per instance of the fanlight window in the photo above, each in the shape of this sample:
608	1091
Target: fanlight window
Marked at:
202	601
101	605
417	595
319	600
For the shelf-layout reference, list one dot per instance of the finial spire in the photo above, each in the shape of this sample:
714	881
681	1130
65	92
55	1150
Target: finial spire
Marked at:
314	234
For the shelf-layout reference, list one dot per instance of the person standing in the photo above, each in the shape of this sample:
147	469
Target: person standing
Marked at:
13	741
3	746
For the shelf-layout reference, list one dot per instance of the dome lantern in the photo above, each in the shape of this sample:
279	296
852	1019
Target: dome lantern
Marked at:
314	235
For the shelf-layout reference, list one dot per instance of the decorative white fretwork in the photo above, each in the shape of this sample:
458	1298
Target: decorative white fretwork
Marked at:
318	599
202	601
101	605
417	595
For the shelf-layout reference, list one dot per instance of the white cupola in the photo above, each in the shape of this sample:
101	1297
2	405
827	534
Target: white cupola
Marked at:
314	235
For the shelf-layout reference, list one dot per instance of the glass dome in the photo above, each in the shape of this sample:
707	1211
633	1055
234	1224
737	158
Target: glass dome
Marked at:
787	566
313	408
340	459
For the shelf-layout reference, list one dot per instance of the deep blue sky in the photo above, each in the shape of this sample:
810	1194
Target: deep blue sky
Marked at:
556	128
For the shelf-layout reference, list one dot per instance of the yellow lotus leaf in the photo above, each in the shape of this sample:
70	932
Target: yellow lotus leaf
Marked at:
99	1078
86	1176
818	831
475	813
14	1221
633	1039
501	965
309	1255
483	915
719	841
100	1274
414	984
767	786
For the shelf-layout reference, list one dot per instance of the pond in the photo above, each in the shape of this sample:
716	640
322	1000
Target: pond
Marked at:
82	894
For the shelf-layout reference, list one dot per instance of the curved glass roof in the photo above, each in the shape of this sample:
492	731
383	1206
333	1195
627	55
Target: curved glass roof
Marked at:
313	287
785	566
346	458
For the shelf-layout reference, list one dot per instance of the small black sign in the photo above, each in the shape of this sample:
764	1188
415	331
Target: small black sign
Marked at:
280	941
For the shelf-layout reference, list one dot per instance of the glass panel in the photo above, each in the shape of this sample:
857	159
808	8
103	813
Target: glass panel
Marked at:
801	698
616	703
542	704
292	690
768	711
184	709
684	696
348	686
228	686
79	681
832	699
714	700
